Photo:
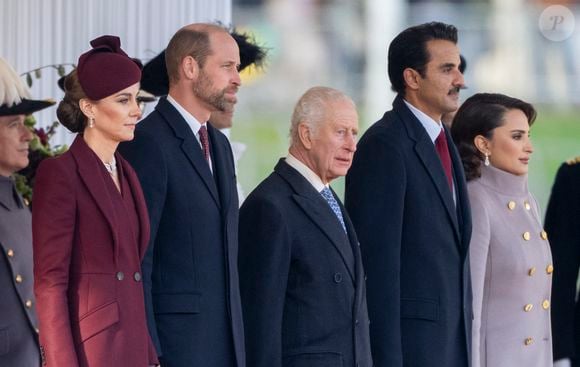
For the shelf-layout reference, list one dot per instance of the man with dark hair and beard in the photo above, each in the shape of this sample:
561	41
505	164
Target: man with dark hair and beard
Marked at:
186	169
407	197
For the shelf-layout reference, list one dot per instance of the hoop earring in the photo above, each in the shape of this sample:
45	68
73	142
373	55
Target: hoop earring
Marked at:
91	122
486	160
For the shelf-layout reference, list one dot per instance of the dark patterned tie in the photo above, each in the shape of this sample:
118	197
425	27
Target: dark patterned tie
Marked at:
204	139
443	152
327	195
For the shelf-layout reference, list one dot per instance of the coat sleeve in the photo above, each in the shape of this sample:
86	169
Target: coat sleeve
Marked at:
264	262
53	225
562	224
478	261
375	199
148	161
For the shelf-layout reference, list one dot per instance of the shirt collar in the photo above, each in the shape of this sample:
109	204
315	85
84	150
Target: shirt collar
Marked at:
433	127
306	172
188	117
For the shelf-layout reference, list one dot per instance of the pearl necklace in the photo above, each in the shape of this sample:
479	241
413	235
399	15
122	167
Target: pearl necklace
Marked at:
111	167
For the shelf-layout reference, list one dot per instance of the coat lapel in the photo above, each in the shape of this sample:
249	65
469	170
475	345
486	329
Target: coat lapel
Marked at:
425	150
88	168
317	209
142	215
189	145
359	270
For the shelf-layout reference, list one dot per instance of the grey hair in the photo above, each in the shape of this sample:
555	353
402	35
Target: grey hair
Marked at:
311	109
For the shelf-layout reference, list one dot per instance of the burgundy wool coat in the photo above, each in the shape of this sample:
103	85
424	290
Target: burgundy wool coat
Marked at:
87	276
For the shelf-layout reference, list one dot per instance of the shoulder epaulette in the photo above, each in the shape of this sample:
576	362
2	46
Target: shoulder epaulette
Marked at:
573	161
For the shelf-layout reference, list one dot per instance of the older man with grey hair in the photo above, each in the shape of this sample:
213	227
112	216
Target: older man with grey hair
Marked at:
301	274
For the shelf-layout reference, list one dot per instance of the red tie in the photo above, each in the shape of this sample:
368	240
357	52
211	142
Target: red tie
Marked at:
443	151
203	138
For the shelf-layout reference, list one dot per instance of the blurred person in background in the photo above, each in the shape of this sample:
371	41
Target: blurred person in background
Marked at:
511	265
563	224
407	197
18	320
90	223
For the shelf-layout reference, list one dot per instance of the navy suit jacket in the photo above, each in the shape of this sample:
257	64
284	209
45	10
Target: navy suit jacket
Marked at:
414	242
302	280
190	269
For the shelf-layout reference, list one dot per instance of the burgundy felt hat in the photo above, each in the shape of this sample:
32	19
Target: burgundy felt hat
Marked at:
106	68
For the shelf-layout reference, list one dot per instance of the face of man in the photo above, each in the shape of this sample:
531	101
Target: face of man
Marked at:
218	80
437	92
333	141
14	140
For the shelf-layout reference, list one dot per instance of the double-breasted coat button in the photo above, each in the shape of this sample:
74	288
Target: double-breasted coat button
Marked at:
528	341
528	307
546	304
511	205
526	236
527	205
337	277
137	276
549	269
120	275
532	271
18	278
544	235
28	303
10	252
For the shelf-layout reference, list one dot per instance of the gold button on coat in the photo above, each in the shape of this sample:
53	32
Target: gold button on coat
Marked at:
546	304
526	236
18	278
549	269
511	205
28	303
544	235
532	271
26	202
528	307
528	341
527	205
10	253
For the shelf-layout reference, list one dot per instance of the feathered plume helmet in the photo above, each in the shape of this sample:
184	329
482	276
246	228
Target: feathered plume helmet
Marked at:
14	95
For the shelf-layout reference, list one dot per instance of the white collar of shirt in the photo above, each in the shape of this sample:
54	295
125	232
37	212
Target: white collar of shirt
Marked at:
433	127
306	172
188	117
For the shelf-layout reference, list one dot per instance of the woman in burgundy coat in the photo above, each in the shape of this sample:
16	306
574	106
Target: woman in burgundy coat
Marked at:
90	223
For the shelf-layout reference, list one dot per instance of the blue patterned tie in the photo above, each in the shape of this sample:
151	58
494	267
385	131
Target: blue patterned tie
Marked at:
327	195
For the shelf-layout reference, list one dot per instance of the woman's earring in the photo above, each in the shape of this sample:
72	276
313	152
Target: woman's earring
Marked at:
486	160
91	122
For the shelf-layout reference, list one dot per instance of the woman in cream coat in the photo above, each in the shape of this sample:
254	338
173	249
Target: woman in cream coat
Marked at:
511	265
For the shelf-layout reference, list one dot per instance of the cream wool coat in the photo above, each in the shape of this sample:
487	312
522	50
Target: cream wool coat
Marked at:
511	272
